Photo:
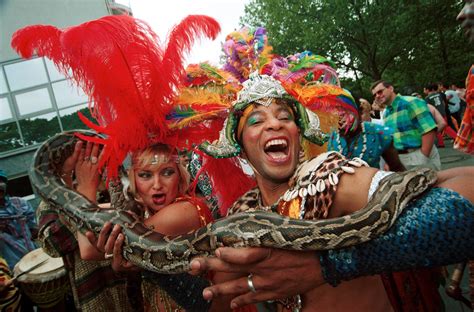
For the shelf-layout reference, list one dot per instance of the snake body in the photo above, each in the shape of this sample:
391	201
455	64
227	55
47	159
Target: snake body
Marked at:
156	252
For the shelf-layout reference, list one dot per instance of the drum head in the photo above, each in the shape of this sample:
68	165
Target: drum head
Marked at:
51	269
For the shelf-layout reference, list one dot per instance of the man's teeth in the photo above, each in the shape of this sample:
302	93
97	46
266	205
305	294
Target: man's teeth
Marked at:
278	155
276	142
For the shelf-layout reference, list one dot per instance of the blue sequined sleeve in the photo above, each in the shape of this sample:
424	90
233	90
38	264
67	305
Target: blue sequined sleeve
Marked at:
437	229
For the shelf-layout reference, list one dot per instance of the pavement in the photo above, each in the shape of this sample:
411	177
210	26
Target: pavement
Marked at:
451	158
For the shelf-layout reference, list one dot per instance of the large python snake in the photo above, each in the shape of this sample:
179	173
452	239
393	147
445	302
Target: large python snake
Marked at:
156	252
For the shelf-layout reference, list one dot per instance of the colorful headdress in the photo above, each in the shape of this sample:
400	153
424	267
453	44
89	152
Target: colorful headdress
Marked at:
246	50
313	81
257	89
201	105
130	78
302	68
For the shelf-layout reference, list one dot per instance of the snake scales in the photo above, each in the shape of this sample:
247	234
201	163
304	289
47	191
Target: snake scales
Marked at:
159	253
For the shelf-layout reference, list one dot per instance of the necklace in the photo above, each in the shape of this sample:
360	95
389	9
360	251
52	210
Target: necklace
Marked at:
354	144
271	208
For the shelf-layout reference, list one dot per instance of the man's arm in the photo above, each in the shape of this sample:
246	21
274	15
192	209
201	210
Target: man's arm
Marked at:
440	122
427	141
425	123
426	234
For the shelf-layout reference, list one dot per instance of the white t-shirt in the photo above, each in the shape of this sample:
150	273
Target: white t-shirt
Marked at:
453	98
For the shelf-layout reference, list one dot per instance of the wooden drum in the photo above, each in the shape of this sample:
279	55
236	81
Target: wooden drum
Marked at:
46	285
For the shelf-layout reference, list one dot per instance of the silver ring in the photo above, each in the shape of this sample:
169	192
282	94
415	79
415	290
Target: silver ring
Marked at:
108	256
86	158
94	160
250	283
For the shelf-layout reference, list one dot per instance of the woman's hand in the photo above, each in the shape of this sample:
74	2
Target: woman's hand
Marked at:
119	264
110	242
87	171
69	165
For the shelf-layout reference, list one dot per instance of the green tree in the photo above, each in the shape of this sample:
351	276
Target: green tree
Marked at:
407	42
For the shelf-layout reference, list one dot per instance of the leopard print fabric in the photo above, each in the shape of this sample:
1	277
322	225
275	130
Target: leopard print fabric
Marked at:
326	168
248	201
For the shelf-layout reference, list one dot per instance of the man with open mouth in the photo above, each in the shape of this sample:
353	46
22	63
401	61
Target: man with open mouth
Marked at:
265	127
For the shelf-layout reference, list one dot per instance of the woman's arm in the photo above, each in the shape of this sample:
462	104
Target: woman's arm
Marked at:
87	181
175	219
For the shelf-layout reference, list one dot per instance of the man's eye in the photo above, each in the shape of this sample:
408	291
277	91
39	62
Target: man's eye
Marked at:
253	120
285	116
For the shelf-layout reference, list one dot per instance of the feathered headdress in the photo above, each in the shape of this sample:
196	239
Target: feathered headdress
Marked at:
201	105
198	113
309	79
313	81
246	51
130	78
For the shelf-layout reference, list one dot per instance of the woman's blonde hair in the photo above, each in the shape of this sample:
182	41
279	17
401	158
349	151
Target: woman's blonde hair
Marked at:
156	155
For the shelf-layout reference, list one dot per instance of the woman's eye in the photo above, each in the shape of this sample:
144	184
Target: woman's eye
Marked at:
144	175
167	172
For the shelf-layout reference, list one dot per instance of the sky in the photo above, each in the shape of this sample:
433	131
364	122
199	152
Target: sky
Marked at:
162	15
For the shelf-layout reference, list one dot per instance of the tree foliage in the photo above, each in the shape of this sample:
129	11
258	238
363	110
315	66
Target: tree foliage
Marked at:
407	42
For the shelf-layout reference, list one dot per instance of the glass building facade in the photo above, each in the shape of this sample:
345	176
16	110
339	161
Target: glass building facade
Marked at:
36	100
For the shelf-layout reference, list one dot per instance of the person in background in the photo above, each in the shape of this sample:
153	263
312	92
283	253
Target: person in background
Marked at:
368	141
413	124
18	227
10	296
442	88
440	122
465	137
365	109
438	100
454	105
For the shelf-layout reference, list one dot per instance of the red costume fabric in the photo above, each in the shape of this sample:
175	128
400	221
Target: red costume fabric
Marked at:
465	138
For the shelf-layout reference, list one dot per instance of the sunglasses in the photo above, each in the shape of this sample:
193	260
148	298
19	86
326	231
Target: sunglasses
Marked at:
379	92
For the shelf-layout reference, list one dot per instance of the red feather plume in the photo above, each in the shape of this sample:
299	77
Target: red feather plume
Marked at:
129	78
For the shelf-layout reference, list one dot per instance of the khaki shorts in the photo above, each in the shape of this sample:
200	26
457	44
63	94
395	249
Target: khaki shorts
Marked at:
417	159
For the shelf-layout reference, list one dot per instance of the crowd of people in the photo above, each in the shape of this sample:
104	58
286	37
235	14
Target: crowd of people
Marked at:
254	114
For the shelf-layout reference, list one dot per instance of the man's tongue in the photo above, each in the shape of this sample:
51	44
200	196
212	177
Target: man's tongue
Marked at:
159	199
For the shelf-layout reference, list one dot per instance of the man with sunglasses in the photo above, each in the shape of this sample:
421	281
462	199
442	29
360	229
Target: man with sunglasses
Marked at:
413	124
